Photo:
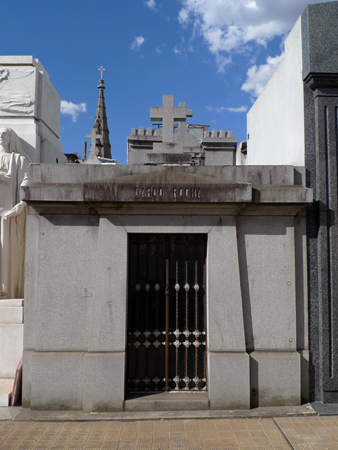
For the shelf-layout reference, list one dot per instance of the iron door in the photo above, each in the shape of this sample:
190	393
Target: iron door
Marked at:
166	313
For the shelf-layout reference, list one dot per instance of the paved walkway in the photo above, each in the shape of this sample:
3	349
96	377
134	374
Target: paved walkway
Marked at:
318	433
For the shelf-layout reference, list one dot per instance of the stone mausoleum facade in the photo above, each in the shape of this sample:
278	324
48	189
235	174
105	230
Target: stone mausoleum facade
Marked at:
170	278
183	280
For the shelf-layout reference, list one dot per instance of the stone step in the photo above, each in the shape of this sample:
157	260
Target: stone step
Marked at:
168	401
6	387
11	311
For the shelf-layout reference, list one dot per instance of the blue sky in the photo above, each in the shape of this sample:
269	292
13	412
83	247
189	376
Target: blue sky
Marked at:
216	55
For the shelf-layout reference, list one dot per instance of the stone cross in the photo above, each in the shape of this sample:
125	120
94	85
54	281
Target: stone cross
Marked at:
93	138
168	114
102	70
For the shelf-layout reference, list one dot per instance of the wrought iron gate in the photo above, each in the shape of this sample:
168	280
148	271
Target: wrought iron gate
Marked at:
166	313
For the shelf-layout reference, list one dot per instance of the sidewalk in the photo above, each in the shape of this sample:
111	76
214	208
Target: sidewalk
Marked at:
25	429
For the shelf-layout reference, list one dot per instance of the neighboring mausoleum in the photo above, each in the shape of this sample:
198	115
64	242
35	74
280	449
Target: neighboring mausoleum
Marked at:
30	105
294	121
176	142
29	133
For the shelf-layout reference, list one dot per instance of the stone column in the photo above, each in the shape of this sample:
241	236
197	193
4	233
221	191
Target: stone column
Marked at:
104	364
321	161
228	361
320	74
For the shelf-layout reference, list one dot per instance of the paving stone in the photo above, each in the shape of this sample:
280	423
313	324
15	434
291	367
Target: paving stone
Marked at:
43	446
227	440
310	432
207	425
6	446
59	446
123	445
92	446
25	445
110	445
114	436
194	435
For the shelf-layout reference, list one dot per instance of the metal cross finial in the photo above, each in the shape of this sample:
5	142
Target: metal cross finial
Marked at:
102	70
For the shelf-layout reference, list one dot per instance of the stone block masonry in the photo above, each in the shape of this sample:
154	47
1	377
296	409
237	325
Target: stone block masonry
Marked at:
80	219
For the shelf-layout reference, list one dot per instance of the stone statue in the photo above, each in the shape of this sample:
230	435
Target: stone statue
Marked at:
13	172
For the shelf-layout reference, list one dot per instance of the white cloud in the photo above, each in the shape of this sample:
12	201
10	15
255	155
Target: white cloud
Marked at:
176	50
72	109
257	77
151	4
252	5
241	109
222	61
221	109
183	16
228	25
137	42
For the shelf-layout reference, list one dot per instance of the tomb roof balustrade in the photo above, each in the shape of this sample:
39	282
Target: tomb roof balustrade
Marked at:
156	132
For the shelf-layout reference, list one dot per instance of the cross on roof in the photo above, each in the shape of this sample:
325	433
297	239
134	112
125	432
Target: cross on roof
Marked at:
93	138
168	114
102	70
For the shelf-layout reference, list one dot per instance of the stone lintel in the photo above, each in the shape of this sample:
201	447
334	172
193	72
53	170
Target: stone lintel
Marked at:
165	187
44	194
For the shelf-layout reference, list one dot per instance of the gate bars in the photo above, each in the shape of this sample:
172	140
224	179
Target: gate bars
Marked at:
166	313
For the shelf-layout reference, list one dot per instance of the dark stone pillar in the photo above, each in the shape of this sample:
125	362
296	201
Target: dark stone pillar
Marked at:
320	74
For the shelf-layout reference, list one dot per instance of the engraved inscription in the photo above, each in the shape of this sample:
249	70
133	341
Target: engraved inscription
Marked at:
160	193
187	192
149	192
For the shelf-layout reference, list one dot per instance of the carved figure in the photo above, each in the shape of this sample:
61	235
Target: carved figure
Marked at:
13	172
12	99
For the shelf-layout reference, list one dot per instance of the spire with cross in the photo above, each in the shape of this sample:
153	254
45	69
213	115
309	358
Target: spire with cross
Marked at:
100	145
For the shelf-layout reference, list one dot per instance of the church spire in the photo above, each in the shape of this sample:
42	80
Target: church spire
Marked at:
102	144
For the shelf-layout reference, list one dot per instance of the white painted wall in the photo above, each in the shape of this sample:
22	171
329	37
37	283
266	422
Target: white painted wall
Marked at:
275	123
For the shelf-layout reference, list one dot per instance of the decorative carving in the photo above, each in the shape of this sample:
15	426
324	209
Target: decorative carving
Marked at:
16	102
13	99
13	172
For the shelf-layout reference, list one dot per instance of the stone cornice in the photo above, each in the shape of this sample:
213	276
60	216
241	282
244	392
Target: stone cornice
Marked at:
321	80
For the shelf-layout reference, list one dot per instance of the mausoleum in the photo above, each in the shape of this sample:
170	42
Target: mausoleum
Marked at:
201	275
185	280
